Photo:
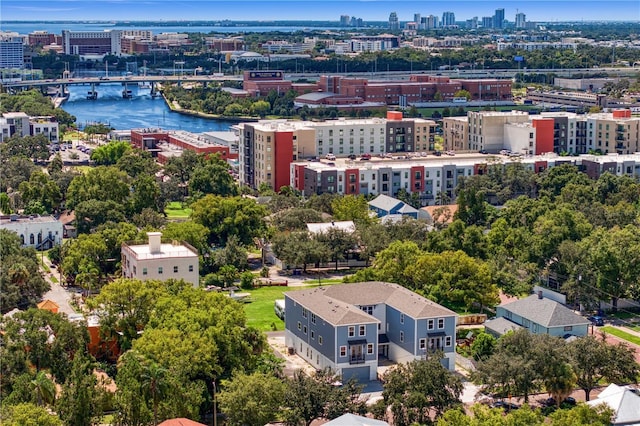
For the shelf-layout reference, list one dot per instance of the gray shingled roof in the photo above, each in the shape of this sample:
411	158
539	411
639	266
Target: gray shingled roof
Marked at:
545	312
337	304
501	326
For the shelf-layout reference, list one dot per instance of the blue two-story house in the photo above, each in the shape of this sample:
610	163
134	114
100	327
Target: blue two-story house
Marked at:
349	327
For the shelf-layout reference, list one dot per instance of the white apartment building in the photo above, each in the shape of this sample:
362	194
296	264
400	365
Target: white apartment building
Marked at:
11	51
486	128
161	261
39	232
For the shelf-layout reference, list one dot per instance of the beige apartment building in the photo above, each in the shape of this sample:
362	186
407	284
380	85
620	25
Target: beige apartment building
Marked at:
160	261
456	133
486	128
614	132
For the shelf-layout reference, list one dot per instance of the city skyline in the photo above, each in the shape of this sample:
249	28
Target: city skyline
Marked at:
313	10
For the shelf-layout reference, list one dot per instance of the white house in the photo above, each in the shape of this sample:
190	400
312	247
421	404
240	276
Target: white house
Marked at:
158	261
40	232
624	401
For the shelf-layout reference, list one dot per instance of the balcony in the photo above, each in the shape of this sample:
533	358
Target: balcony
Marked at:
356	359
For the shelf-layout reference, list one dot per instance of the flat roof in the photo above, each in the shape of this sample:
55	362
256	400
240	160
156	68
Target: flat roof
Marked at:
143	251
28	219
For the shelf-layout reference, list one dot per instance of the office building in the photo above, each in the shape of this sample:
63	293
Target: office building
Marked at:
11	51
521	20
92	43
394	23
418	20
345	20
448	19
160	261
41	38
498	19
487	22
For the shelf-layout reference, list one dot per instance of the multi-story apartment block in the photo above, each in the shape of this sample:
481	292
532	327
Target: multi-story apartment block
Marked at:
158	261
611	132
486	128
431	176
448	19
20	124
41	38
92	43
47	126
11	51
267	148
455	131
498	18
349	327
394	23
232	44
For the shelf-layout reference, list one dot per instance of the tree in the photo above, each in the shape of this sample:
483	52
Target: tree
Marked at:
416	389
92	213
298	248
81	399
582	415
43	189
593	360
463	94
233	254
33	147
137	162
251	399
483	346
351	207
110	153
260	108
44	389
191	232
100	183
226	216
338	243
212	177
295	219
154	379
28	414
560	381
145	195
149	218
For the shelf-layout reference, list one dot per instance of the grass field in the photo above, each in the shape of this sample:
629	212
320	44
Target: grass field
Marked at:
621	334
175	210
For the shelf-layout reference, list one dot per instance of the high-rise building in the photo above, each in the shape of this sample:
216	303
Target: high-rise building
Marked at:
92	42
472	23
448	19
430	22
344	20
487	22
498	19
11	51
394	23
417	19
521	20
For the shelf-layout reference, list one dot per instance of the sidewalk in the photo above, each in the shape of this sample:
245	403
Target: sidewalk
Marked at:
57	293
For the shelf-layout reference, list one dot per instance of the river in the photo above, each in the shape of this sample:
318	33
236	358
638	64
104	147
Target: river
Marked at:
141	111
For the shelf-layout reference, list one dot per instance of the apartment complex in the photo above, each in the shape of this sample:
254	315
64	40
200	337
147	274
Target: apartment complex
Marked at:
434	176
20	124
559	132
267	148
160	261
349	327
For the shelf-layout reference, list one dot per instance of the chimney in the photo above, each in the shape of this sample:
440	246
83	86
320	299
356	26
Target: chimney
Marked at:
540	294
154	242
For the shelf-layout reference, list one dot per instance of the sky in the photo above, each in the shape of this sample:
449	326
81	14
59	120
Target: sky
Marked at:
368	10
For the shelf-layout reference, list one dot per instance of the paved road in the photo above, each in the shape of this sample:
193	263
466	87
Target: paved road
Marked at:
57	293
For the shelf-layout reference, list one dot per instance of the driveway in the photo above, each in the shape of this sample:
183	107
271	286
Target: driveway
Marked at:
57	293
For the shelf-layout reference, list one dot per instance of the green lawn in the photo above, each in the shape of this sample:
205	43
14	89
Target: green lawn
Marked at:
175	210
621	334
260	313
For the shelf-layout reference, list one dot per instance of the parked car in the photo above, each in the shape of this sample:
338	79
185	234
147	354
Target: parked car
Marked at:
352	157
483	151
508	406
550	402
452	153
330	157
596	320
365	157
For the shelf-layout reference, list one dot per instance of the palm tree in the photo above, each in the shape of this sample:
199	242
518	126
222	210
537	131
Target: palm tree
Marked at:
155	380
44	389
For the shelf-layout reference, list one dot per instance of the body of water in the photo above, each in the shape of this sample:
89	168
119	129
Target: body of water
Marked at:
57	27
140	111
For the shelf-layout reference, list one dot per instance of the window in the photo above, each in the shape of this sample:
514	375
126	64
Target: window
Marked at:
447	341
313	318
160	270
134	270
351	331
190	268
568	328
175	269
319	340
144	271
402	336
440	322
304	312
313	334
368	309
423	344
304	329
401	318
343	351
430	324
362	330
369	348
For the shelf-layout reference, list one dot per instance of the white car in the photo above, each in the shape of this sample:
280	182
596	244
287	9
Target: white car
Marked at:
330	157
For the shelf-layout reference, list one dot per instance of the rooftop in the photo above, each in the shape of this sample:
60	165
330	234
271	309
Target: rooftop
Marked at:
337	304
545	312
319	228
173	250
6	219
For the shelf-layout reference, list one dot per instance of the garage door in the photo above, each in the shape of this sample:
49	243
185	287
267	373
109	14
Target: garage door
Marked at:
361	374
